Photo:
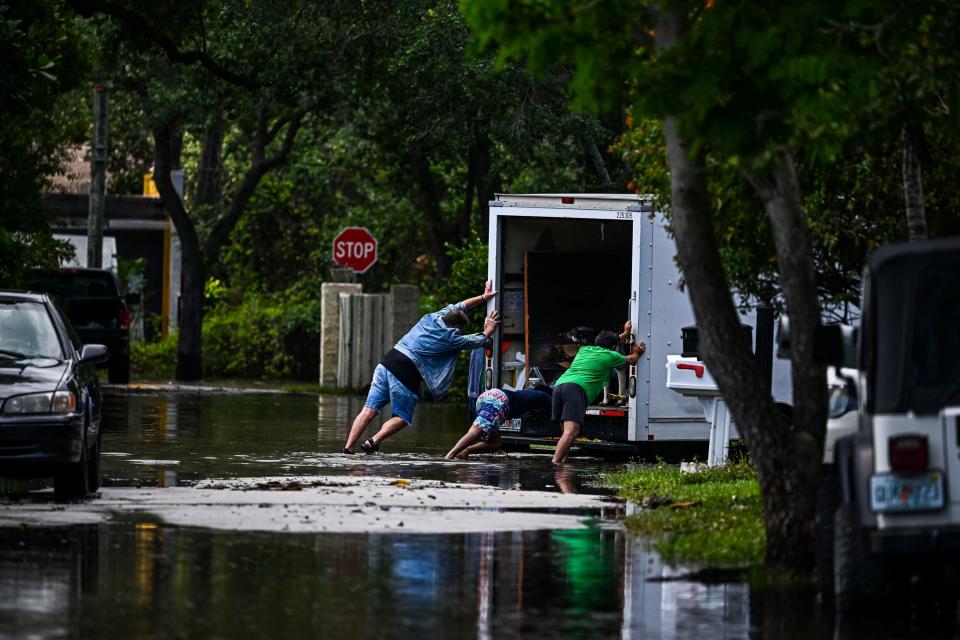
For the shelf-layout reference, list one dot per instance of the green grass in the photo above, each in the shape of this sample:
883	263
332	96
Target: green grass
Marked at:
713	518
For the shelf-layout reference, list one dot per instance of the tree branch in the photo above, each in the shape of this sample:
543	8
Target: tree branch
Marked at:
251	179
142	26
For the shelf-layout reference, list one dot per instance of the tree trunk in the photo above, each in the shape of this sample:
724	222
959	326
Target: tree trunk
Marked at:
191	292
913	187
598	165
429	201
211	165
467	215
791	507
766	432
487	184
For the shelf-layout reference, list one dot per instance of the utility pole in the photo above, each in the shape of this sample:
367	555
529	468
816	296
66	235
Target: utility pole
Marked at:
98	177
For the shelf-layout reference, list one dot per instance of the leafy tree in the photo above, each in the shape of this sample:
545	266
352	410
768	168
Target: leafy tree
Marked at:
257	71
746	93
455	132
42	58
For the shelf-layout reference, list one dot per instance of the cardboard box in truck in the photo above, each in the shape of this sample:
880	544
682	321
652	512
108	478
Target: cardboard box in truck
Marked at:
563	262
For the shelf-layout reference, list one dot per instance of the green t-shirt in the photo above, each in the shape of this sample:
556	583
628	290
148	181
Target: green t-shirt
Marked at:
591	368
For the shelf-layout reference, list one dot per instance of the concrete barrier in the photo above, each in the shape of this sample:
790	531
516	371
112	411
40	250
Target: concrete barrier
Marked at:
366	332
330	328
358	328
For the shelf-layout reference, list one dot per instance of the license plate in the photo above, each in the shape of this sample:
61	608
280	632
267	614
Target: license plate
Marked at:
892	492
512	425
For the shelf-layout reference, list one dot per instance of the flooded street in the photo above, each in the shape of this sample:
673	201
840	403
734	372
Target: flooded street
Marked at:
212	523
179	439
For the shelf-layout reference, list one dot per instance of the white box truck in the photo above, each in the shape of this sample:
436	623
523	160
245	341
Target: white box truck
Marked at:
562	261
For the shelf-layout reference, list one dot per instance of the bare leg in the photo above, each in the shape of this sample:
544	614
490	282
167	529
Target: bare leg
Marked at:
389	428
490	446
471	436
360	424
570	431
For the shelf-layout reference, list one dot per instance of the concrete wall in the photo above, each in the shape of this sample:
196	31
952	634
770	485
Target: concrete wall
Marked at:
330	328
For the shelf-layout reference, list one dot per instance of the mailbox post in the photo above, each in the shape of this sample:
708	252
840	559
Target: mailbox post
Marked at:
689	377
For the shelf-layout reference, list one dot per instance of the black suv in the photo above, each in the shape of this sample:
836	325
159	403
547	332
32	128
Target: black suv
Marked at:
92	301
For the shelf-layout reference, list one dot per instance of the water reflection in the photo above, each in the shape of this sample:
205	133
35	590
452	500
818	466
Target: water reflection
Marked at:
147	579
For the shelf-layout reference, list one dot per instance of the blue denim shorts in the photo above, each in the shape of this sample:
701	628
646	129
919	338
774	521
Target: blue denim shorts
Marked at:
387	389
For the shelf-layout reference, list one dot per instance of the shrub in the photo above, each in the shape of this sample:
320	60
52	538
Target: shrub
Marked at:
154	360
263	336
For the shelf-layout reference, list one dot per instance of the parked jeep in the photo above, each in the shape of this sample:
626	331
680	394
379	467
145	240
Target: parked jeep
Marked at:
889	506
91	299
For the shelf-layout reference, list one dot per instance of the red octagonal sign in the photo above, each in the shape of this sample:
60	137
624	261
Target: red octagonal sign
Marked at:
355	248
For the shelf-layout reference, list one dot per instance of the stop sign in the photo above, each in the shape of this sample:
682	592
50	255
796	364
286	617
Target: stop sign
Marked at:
356	248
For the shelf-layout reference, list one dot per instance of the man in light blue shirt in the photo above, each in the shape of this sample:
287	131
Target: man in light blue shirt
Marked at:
420	366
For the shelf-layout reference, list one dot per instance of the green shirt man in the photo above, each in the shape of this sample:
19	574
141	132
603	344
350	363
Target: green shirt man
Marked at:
584	380
591	368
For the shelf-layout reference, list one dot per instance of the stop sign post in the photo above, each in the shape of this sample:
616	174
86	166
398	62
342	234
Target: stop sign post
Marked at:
355	248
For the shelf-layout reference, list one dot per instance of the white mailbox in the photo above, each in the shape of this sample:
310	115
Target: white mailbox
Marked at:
689	377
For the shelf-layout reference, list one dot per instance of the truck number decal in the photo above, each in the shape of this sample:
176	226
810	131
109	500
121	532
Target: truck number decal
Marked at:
624	215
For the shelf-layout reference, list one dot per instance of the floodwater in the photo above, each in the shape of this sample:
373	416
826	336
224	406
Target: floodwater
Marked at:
141	577
176	439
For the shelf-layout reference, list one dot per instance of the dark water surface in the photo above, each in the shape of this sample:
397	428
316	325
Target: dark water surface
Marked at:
178	439
143	578
148	580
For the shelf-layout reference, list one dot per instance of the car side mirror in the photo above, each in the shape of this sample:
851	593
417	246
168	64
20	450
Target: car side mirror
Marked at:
835	345
94	353
132	298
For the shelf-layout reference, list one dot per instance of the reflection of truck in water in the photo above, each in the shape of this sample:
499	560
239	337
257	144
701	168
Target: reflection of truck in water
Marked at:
890	505
591	260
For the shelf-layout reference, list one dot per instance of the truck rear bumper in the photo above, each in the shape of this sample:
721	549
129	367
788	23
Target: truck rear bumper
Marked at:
598	447
945	539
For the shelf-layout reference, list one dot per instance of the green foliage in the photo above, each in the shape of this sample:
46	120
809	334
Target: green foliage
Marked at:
154	360
468	273
710	518
41	60
262	336
835	82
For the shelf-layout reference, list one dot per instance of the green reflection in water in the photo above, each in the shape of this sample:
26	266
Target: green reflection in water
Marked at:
590	566
149	580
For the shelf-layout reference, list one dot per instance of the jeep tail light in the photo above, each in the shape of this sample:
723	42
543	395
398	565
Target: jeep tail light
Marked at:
908	453
124	318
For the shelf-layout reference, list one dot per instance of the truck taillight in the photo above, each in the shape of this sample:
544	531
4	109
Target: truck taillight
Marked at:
124	318
908	453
